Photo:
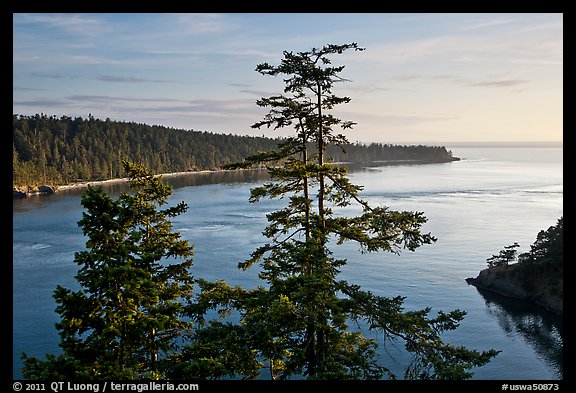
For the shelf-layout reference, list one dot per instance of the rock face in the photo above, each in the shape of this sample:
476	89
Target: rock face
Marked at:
46	189
504	286
18	192
25	192
499	280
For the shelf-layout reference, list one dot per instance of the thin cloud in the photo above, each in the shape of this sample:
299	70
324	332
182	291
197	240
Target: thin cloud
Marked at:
104	98
50	75
113	78
367	88
204	23
401	120
221	105
493	81
500	83
128	79
415	77
508	44
257	93
22	88
42	103
89	59
488	23
407	78
74	23
101	78
160	104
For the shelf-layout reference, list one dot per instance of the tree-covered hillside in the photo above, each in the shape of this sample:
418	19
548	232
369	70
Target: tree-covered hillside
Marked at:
56	151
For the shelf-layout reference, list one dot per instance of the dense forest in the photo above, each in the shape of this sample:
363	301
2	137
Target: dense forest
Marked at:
56	151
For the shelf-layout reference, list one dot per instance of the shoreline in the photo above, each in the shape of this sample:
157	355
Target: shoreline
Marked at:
510	287
27	191
75	186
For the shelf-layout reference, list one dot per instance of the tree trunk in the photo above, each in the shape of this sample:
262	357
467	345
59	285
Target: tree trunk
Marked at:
306	192
310	350
321	192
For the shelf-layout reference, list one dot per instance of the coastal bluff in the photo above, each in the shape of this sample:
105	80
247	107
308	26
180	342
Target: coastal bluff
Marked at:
506	281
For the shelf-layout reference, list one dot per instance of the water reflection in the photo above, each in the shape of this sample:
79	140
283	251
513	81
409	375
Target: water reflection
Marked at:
114	189
542	330
177	180
219	177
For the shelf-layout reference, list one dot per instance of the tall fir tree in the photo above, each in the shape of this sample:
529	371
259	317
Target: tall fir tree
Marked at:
297	324
127	317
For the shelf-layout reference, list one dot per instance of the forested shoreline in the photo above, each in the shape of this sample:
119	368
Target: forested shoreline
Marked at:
536	276
60	151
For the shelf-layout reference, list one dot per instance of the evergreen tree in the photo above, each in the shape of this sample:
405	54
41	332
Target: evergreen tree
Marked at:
125	321
504	257
298	323
548	248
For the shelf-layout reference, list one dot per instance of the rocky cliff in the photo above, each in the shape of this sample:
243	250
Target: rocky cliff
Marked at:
506	281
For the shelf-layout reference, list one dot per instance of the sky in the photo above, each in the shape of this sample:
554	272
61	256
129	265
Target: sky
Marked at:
423	77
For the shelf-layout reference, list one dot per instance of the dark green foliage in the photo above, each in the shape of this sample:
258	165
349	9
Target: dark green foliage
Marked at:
50	150
545	260
126	320
298	323
64	150
505	257
548	248
539	271
233	346
383	152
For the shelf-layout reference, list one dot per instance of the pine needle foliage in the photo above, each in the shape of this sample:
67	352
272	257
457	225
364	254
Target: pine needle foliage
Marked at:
126	320
297	324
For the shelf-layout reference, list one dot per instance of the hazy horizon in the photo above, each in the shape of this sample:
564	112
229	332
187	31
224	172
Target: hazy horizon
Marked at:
543	143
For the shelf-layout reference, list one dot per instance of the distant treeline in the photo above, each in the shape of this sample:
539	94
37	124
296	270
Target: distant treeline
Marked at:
56	151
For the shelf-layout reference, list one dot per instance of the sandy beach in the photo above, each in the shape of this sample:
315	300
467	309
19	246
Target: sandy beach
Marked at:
75	186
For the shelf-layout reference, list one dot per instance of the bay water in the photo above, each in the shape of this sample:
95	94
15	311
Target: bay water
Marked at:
495	196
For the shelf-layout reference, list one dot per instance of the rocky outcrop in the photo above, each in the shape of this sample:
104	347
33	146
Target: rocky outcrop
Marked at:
18	192
46	189
25	192
501	280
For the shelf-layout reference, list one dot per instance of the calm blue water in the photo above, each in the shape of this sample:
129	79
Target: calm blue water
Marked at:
492	198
